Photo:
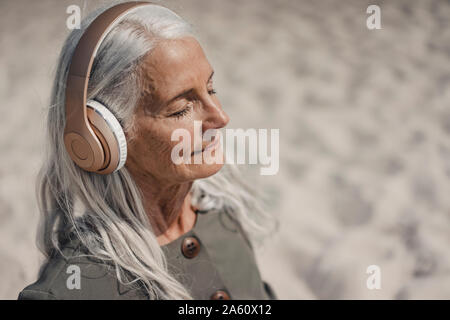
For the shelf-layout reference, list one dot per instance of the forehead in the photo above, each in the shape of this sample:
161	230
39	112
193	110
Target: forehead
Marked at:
176	65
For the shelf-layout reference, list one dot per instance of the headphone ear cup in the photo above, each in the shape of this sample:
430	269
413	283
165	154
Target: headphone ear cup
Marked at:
111	135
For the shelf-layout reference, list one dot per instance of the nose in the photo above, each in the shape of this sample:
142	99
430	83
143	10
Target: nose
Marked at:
216	117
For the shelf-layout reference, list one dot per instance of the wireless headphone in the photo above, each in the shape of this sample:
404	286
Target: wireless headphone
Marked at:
93	137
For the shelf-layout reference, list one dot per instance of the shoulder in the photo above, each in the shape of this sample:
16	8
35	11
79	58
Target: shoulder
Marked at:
73	275
230	222
229	249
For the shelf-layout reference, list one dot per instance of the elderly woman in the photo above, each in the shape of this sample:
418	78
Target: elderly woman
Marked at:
151	228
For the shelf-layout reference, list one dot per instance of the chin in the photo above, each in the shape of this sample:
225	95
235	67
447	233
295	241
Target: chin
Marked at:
206	170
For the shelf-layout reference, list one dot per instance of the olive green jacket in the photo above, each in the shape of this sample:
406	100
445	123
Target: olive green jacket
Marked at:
219	264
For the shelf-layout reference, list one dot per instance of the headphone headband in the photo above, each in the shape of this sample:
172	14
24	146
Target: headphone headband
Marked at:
80	139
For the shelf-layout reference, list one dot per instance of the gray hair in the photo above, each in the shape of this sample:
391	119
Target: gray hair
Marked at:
105	211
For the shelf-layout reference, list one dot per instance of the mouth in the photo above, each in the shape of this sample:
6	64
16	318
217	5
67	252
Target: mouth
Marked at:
210	146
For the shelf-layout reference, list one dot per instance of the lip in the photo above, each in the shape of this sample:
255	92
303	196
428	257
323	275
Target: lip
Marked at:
212	145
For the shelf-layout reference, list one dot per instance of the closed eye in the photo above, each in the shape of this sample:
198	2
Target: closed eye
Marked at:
181	113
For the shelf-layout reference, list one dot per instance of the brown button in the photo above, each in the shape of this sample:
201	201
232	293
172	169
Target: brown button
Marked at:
190	247
220	295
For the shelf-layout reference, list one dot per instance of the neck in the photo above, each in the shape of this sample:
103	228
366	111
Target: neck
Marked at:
168	208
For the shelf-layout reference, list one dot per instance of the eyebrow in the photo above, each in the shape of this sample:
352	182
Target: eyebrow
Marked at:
187	92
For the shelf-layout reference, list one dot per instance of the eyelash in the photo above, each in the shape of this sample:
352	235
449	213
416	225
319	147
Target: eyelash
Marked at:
181	113
185	111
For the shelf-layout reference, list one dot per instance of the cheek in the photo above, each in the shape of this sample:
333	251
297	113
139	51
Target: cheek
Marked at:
152	146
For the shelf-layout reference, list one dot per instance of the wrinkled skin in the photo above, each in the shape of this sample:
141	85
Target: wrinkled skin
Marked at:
173	67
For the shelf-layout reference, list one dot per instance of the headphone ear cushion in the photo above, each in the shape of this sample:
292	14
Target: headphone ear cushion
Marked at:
119	143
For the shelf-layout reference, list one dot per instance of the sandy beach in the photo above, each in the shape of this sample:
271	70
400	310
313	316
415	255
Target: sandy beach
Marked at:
364	120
